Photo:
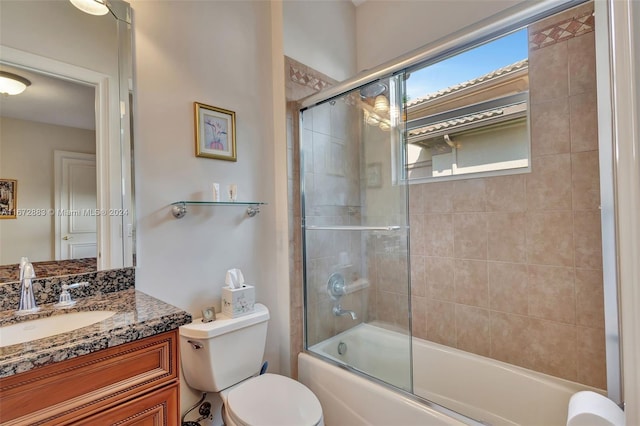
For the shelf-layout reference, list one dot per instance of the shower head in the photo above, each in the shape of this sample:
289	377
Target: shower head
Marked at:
373	90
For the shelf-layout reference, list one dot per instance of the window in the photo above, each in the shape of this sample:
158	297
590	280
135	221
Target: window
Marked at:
468	114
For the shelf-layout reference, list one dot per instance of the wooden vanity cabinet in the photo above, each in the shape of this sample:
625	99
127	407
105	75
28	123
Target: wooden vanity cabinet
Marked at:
133	383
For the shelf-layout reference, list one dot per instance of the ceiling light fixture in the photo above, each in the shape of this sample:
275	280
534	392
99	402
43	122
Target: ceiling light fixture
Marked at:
381	104
92	7
384	125
12	84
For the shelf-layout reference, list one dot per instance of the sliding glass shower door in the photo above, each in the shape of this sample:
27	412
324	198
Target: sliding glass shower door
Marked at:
355	232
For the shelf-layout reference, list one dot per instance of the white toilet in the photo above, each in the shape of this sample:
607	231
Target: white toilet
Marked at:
225	356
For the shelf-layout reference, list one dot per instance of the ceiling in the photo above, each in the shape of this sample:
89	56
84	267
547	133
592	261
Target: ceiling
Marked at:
51	100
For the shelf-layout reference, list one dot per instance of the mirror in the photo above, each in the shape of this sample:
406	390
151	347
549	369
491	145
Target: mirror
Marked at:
66	141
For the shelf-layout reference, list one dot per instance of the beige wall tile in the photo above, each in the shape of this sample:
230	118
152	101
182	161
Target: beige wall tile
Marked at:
438	197
471	282
586	180
419	317
506	193
549	183
320	154
472	330
582	64
589	298
584	122
340	115
470	235
550	127
509	338
392	273
393	309
319	322
439	276
417	234
553	348
438	235
418	277
548	73
508	287
322	119
588	239
506	236
469	195
441	320
592	357
550	238
416	199
552	293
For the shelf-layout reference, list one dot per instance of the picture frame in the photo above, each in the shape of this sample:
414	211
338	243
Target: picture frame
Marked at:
215	132
8	198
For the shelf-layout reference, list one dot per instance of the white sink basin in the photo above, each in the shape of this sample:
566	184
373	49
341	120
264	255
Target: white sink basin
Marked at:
49	326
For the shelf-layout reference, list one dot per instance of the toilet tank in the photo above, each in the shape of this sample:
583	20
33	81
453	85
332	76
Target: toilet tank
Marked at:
221	353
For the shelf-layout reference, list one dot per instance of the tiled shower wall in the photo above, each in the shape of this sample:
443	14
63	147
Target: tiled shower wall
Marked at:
331	165
331	170
510	267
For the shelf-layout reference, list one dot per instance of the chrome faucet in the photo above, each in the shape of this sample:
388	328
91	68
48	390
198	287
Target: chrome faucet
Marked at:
338	311
65	297
27	297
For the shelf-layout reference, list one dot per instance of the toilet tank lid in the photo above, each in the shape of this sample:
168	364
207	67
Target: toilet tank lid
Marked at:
223	324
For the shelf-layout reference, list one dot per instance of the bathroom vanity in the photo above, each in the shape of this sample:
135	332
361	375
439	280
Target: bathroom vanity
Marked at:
120	370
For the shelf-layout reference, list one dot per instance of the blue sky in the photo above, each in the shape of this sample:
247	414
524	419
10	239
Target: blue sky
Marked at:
468	65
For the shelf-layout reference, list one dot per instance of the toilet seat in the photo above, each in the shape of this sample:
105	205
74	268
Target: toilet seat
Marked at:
271	399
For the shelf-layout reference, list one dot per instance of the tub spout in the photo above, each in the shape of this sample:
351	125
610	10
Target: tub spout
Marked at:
338	311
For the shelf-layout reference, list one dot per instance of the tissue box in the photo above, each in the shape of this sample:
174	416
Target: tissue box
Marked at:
238	301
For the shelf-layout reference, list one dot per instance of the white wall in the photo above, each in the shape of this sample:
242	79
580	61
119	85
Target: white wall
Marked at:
321	35
56	29
217	53
26	154
387	29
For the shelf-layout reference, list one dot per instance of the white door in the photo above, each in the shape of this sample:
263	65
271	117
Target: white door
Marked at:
75	200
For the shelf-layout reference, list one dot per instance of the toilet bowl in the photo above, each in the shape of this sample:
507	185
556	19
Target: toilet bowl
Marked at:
225	356
270	400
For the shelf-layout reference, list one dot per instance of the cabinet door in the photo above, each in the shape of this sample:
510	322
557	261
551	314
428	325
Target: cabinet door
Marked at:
157	408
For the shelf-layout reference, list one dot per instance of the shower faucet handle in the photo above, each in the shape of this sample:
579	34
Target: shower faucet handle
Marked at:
336	286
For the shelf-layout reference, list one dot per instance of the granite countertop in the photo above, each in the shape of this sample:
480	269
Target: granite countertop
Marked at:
138	315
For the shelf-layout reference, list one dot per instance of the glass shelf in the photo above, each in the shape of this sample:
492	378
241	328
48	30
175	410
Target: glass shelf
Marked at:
179	208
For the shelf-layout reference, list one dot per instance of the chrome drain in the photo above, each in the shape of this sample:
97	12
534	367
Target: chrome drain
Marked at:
342	348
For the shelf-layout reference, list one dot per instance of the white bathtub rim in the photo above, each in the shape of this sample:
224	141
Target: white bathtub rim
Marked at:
411	398
553	381
472	408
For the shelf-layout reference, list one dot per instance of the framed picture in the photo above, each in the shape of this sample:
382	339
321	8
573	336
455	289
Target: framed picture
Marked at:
8	198
374	175
215	132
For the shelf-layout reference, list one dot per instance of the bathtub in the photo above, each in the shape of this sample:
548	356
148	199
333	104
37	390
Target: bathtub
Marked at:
481	388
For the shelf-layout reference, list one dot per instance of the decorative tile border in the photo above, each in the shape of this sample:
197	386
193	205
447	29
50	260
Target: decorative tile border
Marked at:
561	31
299	75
